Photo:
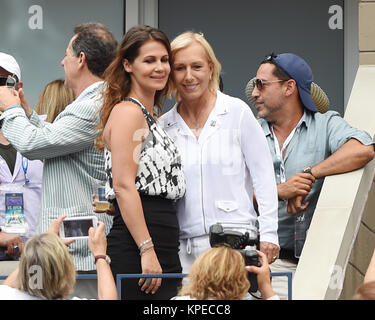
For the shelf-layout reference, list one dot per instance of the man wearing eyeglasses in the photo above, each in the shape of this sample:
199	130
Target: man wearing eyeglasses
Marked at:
72	166
19	200
306	146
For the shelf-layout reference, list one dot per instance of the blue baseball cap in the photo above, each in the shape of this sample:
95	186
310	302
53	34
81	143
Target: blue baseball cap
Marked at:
300	71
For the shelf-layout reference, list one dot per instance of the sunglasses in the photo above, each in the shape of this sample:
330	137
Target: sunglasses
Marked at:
9	82
259	83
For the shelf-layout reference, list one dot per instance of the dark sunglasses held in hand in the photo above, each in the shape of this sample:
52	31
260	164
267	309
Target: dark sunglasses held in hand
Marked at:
9	82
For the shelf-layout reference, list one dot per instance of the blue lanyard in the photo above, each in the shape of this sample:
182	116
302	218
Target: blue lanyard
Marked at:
25	164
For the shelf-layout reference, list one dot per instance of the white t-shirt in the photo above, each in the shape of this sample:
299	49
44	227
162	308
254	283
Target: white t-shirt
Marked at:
9	293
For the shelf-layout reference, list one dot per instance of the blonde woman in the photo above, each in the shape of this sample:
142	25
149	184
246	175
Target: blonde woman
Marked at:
224	154
46	269
220	274
53	99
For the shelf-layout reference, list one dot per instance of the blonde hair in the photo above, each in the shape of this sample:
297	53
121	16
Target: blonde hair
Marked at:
219	273
53	99
365	292
186	39
48	255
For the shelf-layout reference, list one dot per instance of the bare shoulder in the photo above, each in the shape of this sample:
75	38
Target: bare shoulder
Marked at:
126	114
126	108
125	119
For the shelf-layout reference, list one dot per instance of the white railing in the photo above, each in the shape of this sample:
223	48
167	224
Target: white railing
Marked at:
338	214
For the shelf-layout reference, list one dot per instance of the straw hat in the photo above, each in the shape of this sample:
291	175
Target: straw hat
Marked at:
318	95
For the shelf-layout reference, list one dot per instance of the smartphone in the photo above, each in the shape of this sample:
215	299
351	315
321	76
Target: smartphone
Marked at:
77	227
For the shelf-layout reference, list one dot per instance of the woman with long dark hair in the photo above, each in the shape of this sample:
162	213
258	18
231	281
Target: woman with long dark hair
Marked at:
144	175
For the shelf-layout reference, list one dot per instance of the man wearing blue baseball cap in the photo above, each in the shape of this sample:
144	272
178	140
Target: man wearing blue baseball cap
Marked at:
306	146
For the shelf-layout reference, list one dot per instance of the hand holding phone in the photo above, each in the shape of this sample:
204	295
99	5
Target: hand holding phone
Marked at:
55	228
73	228
98	240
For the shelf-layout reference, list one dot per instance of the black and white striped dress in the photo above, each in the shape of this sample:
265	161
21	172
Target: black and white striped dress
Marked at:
160	182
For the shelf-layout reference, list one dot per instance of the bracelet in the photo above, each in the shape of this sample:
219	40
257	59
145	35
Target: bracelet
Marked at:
144	242
308	170
145	249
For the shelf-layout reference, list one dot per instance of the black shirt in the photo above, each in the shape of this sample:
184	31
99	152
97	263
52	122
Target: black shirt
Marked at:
9	154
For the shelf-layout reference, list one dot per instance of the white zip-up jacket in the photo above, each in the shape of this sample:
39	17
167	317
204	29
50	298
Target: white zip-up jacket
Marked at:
223	168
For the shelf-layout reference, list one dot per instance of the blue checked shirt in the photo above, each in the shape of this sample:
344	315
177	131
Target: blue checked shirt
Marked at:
316	137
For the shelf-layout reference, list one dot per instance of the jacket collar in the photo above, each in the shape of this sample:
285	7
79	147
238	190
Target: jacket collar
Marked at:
91	89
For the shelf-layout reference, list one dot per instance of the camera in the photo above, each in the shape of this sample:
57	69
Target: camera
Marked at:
241	242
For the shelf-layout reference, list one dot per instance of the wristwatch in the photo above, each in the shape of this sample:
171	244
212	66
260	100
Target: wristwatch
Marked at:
102	256
308	170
